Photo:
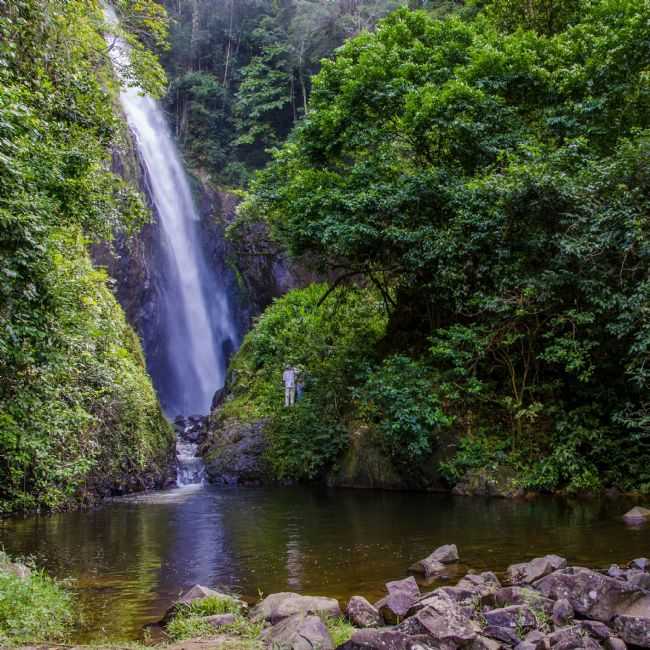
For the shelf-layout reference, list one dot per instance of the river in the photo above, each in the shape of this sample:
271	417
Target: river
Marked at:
129	559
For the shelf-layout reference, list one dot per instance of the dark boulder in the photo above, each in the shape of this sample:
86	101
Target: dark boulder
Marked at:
16	569
485	643
277	607
362	614
407	585
506	635
634	630
298	632
507	596
537	639
464	599
219	620
516	617
641	563
481	584
594	595
638	578
443	621
529	572
614	643
525	645
387	640
395	607
595	629
563	613
566	637
615	571
402	595
195	593
434	563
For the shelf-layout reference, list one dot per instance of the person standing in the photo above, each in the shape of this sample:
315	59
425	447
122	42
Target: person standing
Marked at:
289	379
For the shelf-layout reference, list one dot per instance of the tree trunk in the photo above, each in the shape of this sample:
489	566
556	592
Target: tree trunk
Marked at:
195	34
228	49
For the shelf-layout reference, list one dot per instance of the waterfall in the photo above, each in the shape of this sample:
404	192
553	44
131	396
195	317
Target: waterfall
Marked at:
195	329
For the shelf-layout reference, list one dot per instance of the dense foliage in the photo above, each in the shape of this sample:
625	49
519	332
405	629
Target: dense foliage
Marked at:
76	406
490	176
332	344
240	71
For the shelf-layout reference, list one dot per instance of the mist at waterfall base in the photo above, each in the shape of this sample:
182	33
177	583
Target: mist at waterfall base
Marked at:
195	330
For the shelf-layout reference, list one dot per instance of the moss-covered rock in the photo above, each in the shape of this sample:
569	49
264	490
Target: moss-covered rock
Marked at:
501	482
234	452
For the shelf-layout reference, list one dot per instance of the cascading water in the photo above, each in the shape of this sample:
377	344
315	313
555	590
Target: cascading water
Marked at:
195	328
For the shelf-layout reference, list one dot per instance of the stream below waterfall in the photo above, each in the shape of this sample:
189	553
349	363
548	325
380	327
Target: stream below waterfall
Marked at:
129	559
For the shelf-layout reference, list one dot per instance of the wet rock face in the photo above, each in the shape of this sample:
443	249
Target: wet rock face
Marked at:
233	452
190	428
483	483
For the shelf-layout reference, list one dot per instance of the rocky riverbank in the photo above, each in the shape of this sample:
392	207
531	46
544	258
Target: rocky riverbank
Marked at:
543	604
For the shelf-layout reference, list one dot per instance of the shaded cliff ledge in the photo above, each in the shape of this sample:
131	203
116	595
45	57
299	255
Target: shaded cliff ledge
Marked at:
236	452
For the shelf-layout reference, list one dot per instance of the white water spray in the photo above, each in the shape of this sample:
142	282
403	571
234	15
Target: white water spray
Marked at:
195	326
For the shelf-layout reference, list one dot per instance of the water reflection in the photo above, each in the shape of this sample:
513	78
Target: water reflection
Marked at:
130	559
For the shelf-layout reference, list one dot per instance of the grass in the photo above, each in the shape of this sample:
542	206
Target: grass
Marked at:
33	609
243	634
340	630
188	621
189	627
210	606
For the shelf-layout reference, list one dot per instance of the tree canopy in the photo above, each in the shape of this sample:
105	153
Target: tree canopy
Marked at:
490	177
241	71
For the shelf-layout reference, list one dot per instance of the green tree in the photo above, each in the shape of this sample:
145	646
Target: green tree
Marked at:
491	184
542	16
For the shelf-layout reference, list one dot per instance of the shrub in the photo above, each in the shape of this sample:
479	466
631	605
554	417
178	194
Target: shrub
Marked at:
401	398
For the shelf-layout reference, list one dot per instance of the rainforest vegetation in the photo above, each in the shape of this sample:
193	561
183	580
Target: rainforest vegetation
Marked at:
471	179
78	412
485	178
240	71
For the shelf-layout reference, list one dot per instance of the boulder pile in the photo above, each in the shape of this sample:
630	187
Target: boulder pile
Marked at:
543	604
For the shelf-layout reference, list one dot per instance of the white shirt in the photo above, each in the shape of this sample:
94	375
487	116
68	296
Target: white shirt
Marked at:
289	378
